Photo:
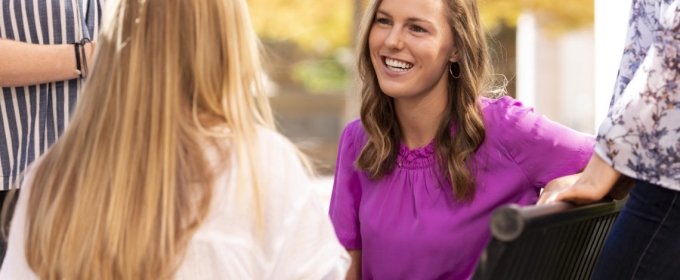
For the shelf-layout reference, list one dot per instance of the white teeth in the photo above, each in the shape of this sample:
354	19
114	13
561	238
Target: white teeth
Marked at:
397	65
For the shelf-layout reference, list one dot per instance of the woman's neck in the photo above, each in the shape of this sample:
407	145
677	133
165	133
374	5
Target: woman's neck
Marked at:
419	117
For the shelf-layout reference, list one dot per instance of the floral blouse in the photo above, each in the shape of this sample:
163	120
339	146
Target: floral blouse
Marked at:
641	135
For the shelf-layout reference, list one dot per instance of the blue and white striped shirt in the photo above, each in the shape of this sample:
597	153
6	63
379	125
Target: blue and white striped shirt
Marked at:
32	117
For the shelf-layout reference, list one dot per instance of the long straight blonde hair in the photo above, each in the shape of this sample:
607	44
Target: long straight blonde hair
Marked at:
122	191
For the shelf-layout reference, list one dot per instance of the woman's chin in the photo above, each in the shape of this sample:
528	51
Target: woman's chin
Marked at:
395	91
397	94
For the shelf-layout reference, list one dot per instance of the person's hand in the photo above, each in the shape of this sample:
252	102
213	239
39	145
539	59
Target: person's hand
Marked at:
596	181
559	184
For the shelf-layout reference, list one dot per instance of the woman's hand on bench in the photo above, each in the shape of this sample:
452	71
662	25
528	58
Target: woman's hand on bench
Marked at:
559	184
597	181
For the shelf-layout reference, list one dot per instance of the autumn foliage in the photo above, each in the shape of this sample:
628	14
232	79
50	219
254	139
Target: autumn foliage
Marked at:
554	15
323	25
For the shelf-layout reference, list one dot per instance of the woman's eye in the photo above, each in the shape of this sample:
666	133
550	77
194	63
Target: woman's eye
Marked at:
382	21
416	28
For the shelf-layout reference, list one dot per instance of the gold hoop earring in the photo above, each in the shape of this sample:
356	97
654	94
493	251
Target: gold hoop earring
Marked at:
457	70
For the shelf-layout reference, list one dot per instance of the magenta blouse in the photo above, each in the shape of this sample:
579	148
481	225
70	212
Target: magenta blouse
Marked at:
409	226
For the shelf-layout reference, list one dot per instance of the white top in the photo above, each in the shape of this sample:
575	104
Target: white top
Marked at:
297	239
641	135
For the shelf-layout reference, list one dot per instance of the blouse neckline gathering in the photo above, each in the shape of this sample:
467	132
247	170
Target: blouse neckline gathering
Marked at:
417	158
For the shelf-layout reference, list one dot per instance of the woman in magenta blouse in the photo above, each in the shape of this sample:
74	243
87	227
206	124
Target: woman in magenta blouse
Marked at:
419	175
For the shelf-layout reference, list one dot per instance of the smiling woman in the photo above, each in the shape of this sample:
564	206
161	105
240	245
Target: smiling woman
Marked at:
411	47
431	157
422	36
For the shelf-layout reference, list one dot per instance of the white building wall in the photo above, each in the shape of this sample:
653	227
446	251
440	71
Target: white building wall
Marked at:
570	77
611	18
555	73
577	80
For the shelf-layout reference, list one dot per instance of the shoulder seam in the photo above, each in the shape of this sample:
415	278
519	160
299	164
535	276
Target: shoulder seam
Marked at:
512	157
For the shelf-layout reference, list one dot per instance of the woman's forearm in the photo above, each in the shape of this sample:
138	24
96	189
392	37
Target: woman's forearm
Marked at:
23	64
354	272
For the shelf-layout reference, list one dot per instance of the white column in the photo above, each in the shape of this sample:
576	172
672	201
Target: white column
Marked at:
611	21
527	41
538	79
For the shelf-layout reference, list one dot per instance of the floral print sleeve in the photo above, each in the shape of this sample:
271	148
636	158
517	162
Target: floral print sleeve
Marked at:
641	135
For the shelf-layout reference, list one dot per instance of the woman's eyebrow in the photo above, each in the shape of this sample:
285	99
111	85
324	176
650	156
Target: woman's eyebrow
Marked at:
415	19
410	19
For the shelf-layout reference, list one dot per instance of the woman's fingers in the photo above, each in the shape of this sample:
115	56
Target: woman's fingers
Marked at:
594	183
578	193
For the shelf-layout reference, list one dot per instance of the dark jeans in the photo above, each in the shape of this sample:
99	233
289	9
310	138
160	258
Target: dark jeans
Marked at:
645	240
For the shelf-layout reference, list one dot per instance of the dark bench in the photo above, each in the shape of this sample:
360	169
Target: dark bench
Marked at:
557	241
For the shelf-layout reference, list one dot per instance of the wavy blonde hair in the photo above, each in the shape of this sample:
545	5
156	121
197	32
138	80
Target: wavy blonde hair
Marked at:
121	193
462	112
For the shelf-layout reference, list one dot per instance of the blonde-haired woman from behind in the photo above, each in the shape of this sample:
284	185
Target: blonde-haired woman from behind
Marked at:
171	167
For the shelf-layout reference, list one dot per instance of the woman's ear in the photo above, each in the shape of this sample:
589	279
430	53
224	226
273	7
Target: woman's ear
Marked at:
454	56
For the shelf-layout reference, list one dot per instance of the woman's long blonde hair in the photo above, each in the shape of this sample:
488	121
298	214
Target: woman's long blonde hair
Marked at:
122	191
462	113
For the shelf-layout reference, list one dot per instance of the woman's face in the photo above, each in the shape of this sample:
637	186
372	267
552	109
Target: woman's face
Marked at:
410	43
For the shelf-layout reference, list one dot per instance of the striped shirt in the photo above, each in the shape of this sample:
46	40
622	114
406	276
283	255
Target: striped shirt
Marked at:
32	117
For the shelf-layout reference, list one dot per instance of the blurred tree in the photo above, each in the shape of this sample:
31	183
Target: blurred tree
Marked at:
315	25
322	27
554	15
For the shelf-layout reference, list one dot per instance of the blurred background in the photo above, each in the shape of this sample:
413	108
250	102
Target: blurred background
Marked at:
560	57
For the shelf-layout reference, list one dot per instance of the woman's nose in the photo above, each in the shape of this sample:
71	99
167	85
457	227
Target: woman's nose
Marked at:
394	39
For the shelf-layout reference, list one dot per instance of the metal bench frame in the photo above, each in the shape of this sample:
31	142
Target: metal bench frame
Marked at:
557	241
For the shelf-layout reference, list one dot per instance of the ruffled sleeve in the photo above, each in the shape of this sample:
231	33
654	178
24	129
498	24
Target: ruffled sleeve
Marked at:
543	149
344	206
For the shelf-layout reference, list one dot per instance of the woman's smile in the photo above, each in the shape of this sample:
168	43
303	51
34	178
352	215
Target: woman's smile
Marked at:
396	64
395	67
